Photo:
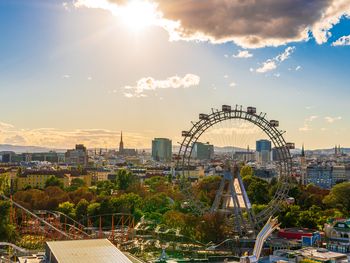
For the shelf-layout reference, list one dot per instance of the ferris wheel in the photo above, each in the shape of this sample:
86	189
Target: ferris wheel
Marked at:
232	130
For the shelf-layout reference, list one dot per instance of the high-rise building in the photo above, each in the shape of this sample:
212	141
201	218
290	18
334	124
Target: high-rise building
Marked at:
161	149
263	150
121	144
203	151
263	145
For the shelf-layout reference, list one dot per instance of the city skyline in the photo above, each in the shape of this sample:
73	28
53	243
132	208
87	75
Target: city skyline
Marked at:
80	71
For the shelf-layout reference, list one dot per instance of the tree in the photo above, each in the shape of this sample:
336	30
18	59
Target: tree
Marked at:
93	209
126	203
7	231
155	182
246	171
67	208
75	184
81	209
124	179
158	203
339	197
55	196
53	181
5	184
257	189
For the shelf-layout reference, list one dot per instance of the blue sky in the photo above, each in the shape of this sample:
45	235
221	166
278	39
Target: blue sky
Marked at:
69	73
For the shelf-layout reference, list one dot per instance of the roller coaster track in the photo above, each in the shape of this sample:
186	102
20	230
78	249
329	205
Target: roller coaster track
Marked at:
35	216
17	248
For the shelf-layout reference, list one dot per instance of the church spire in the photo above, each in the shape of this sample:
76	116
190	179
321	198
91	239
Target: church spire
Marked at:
121	144
303	151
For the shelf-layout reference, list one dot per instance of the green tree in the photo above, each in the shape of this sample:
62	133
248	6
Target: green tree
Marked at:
339	197
81	209
93	209
75	184
53	181
5	184
67	208
158	203
7	231
155	182
124	179
126	203
246	171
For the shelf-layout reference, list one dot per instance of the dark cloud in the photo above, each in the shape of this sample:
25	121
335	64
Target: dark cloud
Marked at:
251	23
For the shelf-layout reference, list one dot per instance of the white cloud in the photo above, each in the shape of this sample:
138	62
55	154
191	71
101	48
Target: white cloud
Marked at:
268	65
306	127
55	138
89	78
233	84
311	118
342	41
332	119
298	68
271	64
225	76
285	55
66	76
150	84
243	54
277	75
226	56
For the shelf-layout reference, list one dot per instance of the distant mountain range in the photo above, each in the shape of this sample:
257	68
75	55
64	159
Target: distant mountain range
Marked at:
25	149
36	149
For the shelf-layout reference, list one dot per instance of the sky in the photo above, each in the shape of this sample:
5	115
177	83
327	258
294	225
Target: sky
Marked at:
81	71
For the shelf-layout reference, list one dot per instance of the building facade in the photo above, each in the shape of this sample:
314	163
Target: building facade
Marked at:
203	151
161	149
263	151
338	235
319	175
77	156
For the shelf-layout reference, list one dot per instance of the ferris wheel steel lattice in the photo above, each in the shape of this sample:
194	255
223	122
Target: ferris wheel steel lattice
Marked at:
244	221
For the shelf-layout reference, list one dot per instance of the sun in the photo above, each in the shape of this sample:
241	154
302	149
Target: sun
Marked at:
139	14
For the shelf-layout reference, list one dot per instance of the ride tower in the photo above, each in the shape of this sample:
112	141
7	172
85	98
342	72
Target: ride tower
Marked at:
232	200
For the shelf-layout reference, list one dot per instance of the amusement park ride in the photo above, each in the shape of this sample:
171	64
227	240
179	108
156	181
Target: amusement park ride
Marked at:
231	197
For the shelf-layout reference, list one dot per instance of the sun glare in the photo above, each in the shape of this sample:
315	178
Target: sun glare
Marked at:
138	15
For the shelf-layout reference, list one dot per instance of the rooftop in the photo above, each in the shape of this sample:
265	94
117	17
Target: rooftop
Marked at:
85	251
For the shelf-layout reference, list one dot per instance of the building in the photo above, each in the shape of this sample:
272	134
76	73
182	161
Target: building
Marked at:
161	149
277	154
263	151
326	175
339	174
307	253
338	235
37	180
77	156
203	151
84	251
319	175
121	143
123	151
